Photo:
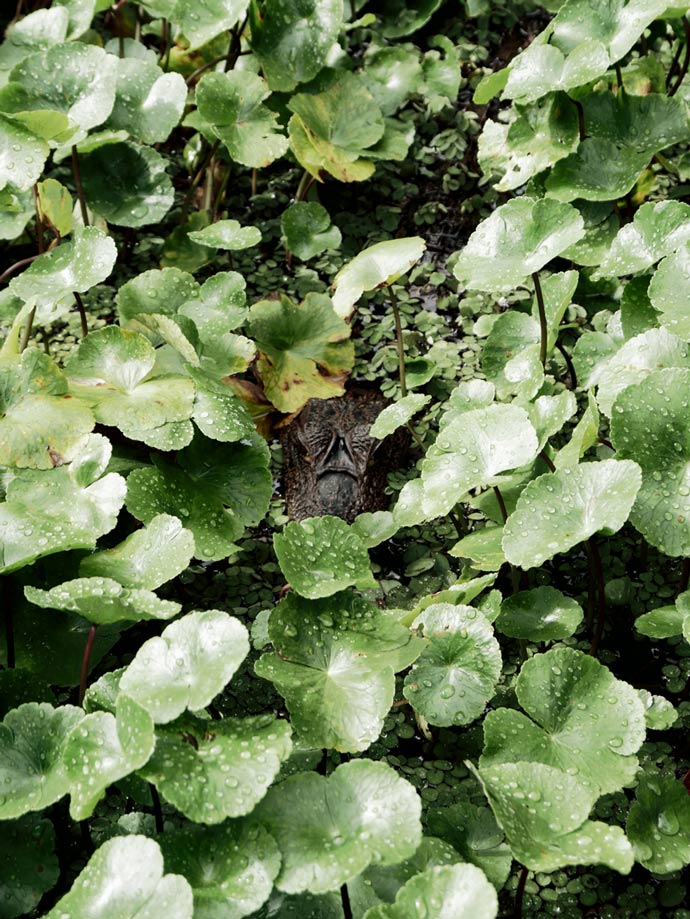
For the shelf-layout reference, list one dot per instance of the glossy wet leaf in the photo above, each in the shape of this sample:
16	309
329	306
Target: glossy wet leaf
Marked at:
637	313
124	877
543	68
519	238
231	868
69	507
377	266
472	449
30	863
41	425
227	234
549	414
510	357
584	721
363	813
646	123
187	665
156	291
665	621
104	748
659	714
203	20
482	547
456	674
650	424
544	811
103	600
540	614
398	414
392	74
658	824
405	18
148	102
307	229
22	155
37	31
303	349
375	528
657	229
334	663
147	558
322	555
218	412
475	835
211	770
461	891
668	289
592	497
55	205
291	39
77	265
16	209
127	184
32	767
232	104
600	170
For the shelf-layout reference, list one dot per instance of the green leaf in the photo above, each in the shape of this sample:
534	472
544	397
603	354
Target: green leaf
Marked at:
231	868
211	770
518	239
22	155
403	18
155	291
591	497
398	414
16	209
650	424
471	450
307	229
540	136
482	547
125	878
374	528
659	714
377	266
51	510
291	38
127	184
39	30
668	289
658	229
147	558
334	664
637	313
321	556
102	600
456	674
227	234
203	20
584	436
104	748
510	357
645	124
585	722
548	414
148	102
544	68
41	426
600	170
232	104
540	614
187	665
27	851
32	767
303	349
665	621
393	73
55	205
73	266
543	812
658	824
618	25
363	813
474	833
462	891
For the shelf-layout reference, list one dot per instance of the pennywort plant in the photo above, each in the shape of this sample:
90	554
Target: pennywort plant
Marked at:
132	782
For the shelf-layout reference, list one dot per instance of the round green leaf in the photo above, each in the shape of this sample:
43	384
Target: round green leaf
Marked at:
125	878
474	833
544	68
658	229
187	665
148	102
519	238
155	291
303	349
374	528
232	104
27	850
659	714
16	209
39	30
32	766
543	812
55	204
203	20
398	414
103	600
291	38
321	556
483	548
334	664
659	824
650	423
599	170
231	868
461	891
127	184
213	770
307	229
227	234
22	155
510	357
77	266
585	722
103	748
218	412
541	614
363	813
377	266
403	18
587	498
668	289
665	621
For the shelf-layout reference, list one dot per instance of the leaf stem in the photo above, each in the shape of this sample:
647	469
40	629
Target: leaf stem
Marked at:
77	184
619	79
82	313
543	330
580	119
235	45
345	900
597	576
686	60
26	334
569	364
399	340
514	576
305	183
520	893
85	662
20	264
